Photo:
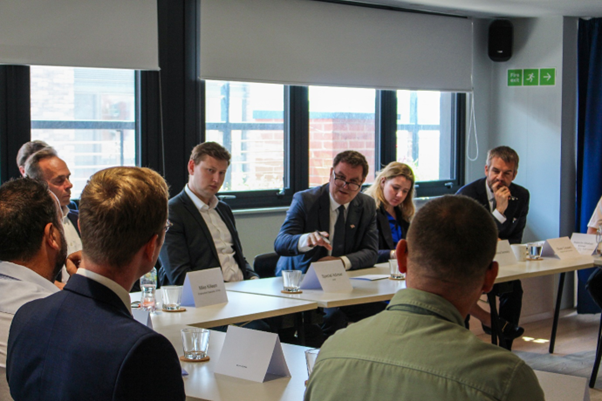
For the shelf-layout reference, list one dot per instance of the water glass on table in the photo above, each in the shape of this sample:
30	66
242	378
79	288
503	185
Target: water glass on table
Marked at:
394	270
172	297
195	343
291	280
310	359
534	252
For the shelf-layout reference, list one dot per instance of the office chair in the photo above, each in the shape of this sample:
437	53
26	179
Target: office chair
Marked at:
594	287
265	264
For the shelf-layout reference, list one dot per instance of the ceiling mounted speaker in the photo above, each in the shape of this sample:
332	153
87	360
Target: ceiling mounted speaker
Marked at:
500	40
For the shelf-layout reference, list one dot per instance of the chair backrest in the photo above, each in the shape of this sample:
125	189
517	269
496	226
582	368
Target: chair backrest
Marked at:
4	391
265	264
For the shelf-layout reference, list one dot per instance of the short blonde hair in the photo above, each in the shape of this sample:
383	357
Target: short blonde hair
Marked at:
393	170
120	210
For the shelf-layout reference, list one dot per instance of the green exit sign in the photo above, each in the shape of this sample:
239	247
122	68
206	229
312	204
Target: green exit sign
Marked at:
532	77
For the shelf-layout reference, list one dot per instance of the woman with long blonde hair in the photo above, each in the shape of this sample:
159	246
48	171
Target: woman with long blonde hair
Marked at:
393	191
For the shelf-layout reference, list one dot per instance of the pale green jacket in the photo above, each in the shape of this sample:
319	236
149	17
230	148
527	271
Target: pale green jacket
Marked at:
417	349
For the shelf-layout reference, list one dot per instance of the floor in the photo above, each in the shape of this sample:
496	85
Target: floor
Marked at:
575	341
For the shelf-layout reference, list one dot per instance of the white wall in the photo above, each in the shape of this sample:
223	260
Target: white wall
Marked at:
539	123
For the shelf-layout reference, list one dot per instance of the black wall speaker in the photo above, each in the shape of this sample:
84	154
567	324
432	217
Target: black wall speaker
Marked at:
500	40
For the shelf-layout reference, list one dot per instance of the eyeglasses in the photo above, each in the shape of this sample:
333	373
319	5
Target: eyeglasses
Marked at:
168	225
339	182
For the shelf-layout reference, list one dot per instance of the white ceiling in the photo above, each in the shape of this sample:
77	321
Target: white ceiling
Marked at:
501	8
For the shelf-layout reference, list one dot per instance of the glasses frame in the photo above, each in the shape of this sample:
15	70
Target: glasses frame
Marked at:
339	182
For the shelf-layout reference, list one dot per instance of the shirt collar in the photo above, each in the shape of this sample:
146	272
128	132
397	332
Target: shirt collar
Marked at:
199	203
110	284
334	205
65	211
23	273
490	195
433	303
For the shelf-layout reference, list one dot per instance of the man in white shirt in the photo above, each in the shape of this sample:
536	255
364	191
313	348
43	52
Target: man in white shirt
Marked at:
203	234
45	165
32	249
83	343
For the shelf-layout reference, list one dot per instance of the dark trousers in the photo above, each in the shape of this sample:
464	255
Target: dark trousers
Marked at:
511	302
594	286
339	318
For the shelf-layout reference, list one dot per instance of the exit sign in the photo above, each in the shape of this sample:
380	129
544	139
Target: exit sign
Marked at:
532	77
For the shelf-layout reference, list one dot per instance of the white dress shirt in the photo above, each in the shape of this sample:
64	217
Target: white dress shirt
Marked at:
74	242
222	239
303	246
18	286
496	213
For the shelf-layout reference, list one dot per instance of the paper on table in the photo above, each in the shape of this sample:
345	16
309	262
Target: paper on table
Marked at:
204	288
370	277
585	243
251	355
329	276
562	248
503	254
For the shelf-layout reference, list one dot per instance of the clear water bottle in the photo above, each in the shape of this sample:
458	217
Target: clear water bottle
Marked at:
148	286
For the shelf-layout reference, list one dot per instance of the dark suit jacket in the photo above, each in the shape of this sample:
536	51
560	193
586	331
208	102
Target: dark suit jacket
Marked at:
188	243
385	238
516	213
310	211
82	344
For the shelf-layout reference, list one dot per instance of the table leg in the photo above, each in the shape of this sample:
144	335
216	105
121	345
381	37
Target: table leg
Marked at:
300	327
496	332
556	312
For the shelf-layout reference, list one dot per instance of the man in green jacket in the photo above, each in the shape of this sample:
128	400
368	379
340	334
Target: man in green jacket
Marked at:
418	348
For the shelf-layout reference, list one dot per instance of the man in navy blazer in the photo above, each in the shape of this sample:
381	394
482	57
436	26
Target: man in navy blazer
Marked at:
204	233
309	233
509	205
82	343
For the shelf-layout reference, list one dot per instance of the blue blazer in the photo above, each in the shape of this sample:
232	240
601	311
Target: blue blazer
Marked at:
188	244
310	211
516	213
82	344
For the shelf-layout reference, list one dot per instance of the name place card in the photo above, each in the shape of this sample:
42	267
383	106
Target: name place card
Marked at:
329	276
561	248
143	316
584	243
252	355
504	255
204	288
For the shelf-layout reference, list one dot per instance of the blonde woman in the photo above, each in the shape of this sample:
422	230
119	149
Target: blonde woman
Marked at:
393	191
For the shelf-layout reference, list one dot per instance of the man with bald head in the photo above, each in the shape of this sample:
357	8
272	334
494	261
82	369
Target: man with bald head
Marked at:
418	348
45	166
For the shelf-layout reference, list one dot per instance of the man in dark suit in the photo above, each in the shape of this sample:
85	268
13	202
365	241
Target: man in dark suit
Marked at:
82	343
332	222
203	234
309	233
509	205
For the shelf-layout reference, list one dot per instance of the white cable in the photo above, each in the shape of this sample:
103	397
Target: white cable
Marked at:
472	122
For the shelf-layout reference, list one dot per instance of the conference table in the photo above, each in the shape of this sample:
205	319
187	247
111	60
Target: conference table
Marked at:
202	383
240	308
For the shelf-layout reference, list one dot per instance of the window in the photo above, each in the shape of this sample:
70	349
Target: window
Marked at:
425	138
339	119
248	120
87	115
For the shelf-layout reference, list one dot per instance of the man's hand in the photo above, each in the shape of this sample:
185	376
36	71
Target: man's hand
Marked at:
319	238
72	262
501	194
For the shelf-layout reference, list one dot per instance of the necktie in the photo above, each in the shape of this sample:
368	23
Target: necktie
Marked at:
338	243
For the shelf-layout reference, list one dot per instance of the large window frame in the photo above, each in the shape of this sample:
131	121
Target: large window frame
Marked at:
171	121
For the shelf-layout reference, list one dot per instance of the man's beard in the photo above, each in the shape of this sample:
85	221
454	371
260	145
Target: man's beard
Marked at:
61	256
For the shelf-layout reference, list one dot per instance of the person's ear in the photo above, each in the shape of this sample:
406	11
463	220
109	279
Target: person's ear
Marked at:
52	236
490	277
151	247
191	167
401	252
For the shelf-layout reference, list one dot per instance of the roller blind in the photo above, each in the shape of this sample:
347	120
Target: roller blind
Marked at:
304	42
80	33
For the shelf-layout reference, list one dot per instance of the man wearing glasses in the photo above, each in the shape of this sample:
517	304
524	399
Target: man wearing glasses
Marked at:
331	222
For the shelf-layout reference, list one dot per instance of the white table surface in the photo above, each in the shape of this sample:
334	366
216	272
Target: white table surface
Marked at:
203	384
241	307
363	291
